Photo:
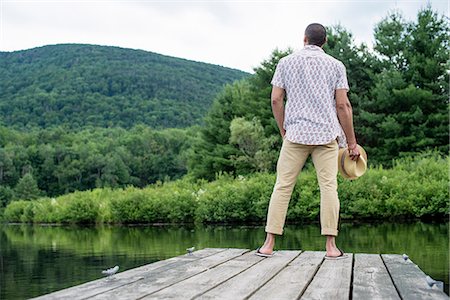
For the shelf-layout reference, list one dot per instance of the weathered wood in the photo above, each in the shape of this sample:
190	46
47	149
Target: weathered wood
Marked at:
205	281
155	281
332	280
99	286
409	279
371	280
240	274
291	282
246	283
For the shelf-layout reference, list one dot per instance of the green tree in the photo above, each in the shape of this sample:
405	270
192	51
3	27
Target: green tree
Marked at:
255	153
6	195
7	170
391	39
408	108
27	188
260	86
361	66
88	85
211	152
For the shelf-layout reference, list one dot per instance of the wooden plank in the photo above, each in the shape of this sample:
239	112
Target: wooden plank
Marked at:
409	279
155	281
292	281
95	287
332	281
205	281
246	283
371	280
239	274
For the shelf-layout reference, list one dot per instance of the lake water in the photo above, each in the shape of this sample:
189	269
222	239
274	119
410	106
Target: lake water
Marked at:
36	260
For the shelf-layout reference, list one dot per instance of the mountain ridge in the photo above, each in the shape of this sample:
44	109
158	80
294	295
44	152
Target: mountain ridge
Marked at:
122	48
80	85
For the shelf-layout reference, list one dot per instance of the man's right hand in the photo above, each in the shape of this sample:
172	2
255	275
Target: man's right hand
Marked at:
283	133
278	107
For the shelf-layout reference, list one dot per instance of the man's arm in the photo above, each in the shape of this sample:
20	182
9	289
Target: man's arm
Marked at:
278	107
345	116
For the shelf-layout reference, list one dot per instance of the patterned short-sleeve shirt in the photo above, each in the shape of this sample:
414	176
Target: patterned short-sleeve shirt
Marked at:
310	78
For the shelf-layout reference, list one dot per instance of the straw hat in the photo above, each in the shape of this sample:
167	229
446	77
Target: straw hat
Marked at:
351	169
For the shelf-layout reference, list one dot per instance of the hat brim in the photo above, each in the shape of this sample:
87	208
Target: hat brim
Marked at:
349	168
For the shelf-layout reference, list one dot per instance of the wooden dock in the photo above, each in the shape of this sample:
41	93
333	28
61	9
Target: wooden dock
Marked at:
239	274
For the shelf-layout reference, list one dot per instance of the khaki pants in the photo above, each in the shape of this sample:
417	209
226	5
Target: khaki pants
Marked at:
290	162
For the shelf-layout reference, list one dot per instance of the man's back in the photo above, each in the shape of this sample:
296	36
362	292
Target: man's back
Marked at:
310	78
312	71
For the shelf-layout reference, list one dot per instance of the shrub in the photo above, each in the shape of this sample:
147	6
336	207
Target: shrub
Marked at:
305	202
15	210
46	211
414	187
177	203
221	201
78	207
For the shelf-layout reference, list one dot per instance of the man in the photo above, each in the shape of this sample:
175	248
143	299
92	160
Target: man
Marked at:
317	120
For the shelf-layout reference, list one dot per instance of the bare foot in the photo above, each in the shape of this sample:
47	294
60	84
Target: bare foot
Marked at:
269	243
332	249
334	252
266	249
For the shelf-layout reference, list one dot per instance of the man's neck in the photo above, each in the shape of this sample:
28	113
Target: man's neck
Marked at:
312	45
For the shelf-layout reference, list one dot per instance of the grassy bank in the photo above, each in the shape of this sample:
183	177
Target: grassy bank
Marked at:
412	188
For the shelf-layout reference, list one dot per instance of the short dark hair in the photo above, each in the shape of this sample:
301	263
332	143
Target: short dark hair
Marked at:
316	34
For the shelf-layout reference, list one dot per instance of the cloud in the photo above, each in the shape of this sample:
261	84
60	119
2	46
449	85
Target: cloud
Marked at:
237	34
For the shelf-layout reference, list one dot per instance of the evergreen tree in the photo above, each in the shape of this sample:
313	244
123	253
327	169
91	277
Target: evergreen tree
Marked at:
255	153
260	85
391	39
211	152
407	110
27	188
6	194
214	150
361	66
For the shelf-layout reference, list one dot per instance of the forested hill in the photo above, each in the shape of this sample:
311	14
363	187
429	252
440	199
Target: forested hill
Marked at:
78	85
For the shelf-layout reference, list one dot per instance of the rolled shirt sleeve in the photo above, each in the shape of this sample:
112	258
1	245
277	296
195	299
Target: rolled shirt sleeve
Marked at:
341	82
278	78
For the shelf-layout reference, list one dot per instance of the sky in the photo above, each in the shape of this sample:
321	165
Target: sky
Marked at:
230	33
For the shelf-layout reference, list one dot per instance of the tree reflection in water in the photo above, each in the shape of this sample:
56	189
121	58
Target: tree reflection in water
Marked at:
36	260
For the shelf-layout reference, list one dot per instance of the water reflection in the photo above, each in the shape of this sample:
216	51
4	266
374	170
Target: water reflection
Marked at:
35	260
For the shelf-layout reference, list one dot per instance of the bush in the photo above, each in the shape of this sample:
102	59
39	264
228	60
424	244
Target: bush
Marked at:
47	211
79	208
16	210
127	206
172	202
413	188
178	202
235	200
222	201
305	201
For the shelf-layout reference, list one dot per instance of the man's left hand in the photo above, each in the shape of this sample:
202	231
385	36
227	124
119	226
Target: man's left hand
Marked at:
353	152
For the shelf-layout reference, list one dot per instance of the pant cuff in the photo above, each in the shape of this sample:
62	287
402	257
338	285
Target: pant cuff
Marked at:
329	231
274	230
